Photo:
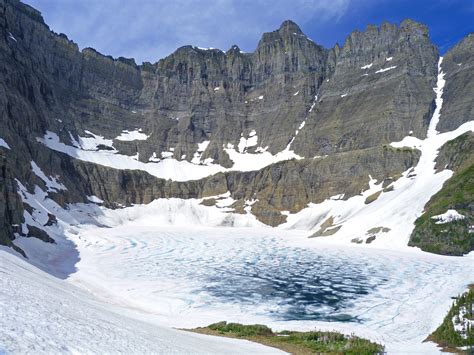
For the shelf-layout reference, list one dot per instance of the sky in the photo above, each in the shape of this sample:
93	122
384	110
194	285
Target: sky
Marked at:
148	30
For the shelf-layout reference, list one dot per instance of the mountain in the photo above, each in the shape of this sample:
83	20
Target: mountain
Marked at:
281	130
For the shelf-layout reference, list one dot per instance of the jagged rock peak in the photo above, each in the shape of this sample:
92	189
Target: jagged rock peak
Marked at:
233	50
289	26
414	27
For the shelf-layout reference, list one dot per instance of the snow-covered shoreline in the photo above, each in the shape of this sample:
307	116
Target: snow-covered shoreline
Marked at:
158	258
42	314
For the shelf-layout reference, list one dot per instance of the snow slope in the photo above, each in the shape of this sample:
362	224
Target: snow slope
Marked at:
42	314
395	209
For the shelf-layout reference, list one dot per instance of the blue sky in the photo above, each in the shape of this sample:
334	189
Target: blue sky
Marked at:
148	30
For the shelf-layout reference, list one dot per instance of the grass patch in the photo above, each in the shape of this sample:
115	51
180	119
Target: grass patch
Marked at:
457	329
452	238
314	342
372	197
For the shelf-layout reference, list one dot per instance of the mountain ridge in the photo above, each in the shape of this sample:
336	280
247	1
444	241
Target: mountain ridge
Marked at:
310	123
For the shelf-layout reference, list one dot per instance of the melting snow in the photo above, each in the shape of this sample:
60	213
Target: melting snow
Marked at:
94	199
52	183
167	168
91	143
389	59
296	93
385	69
154	158
343	95
11	36
449	216
136	135
166	155
246	143
201	149
368	66
4	144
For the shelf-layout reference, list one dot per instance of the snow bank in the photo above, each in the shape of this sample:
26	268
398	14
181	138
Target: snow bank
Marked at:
94	199
449	216
136	135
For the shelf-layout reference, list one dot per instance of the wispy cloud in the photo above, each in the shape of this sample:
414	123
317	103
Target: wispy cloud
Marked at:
151	29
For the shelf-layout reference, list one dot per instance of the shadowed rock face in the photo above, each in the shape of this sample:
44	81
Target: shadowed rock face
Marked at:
458	64
353	100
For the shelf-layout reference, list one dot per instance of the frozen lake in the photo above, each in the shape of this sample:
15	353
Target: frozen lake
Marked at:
190	277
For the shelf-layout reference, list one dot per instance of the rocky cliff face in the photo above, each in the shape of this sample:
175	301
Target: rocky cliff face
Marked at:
323	116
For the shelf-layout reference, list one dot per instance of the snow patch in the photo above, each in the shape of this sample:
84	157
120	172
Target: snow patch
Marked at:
167	154
201	149
249	142
385	69
94	199
439	101
368	66
52	183
167	168
154	158
4	144
90	143
136	135
11	36
448	216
